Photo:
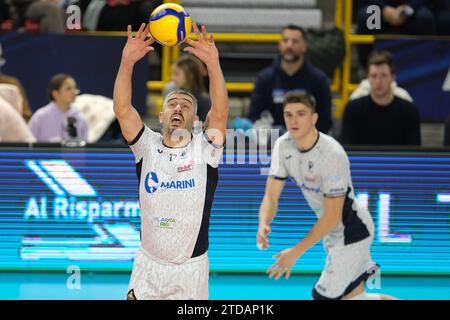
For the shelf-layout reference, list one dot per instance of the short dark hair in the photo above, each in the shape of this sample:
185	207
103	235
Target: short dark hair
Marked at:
381	57
181	91
300	97
56	83
295	27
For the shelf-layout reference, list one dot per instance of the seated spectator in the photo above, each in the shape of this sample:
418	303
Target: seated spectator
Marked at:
4	10
292	71
414	17
48	13
381	118
441	11
13	127
56	121
6	79
116	15
364	89
188	74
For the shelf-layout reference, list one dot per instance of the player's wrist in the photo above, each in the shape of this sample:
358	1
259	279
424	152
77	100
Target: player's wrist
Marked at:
213	64
127	62
298	249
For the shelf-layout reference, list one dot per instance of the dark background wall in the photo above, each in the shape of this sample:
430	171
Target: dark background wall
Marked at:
92	60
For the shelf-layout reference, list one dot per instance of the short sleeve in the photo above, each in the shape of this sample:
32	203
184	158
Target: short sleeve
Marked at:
143	142
336	175
211	153
278	168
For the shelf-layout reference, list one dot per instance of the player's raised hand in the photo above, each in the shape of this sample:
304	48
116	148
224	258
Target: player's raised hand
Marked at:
137	47
204	47
262	237
285	260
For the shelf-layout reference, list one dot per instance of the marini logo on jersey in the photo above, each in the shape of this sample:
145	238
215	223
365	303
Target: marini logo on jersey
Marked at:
152	183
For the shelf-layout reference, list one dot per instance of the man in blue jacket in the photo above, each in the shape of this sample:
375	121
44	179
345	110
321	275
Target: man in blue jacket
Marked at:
291	71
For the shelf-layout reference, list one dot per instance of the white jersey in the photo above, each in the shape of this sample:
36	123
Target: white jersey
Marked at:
323	171
176	190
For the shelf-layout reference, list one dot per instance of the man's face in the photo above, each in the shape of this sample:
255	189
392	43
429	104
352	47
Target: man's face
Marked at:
292	46
299	119
178	113
380	79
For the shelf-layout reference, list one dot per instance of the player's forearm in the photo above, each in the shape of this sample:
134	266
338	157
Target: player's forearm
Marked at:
218	90
322	227
122	88
267	211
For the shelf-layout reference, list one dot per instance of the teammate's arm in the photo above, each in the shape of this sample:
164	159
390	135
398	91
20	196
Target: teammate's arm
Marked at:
205	49
268	210
135	49
331	217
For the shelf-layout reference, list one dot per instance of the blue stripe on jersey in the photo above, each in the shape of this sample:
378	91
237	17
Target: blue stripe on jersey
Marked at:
202	243
354	229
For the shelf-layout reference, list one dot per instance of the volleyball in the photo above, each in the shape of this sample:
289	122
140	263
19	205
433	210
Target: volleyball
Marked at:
170	24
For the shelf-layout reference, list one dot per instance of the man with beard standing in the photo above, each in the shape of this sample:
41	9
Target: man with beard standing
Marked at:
291	72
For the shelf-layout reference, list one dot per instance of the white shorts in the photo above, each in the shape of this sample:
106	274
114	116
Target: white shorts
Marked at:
345	268
158	280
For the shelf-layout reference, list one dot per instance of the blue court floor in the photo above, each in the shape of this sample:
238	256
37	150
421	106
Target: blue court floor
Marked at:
112	286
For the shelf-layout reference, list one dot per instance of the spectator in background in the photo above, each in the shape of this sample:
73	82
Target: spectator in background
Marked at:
52	122
4	10
48	13
116	15
365	88
381	118
188	74
7	79
441	10
292	71
414	17
13	127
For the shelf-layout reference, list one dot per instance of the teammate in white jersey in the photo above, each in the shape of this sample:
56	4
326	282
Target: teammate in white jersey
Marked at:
320	167
177	172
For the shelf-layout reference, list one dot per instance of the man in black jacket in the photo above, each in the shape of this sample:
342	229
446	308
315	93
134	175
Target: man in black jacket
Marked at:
381	118
292	71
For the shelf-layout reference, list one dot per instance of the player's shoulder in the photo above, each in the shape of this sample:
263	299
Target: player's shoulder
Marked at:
153	134
284	141
330	148
147	135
